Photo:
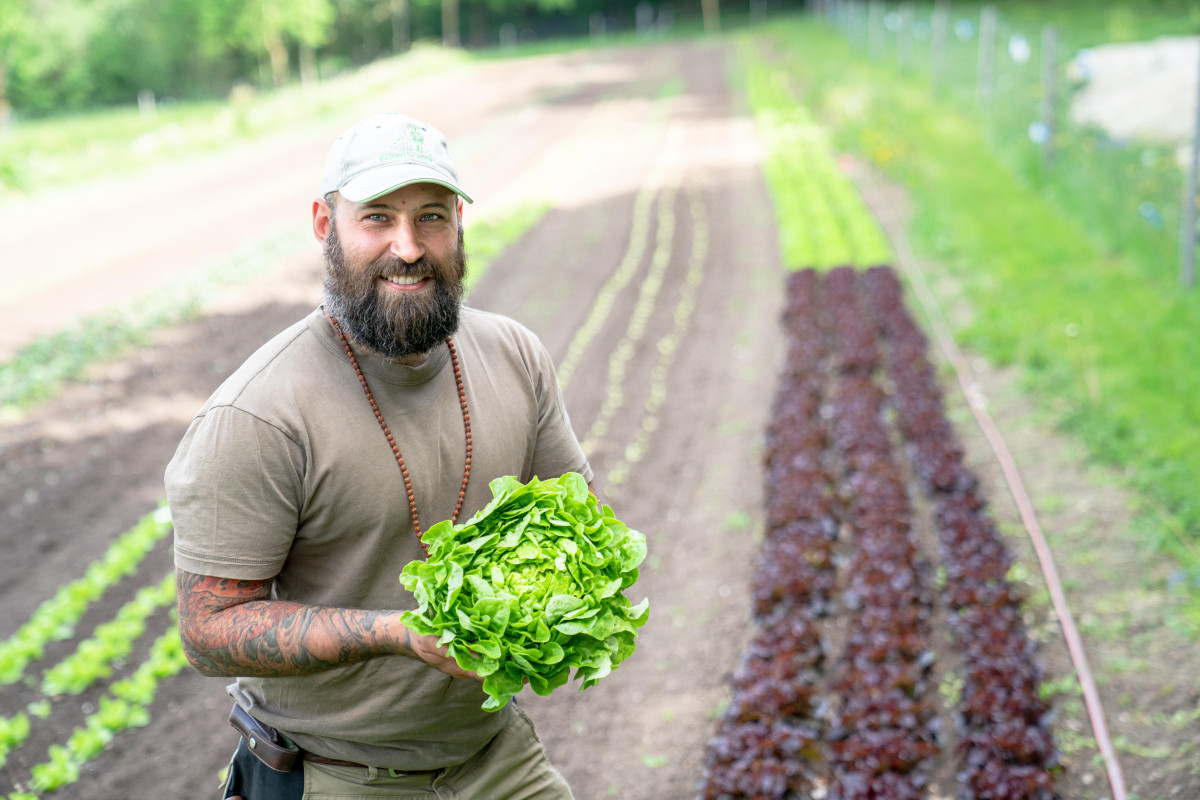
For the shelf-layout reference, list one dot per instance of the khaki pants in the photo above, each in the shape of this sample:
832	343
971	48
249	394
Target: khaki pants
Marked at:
513	766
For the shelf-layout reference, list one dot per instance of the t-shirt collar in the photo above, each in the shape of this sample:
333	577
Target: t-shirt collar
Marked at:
374	366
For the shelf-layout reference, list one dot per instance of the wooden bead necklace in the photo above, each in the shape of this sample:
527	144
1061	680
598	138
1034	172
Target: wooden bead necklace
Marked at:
462	401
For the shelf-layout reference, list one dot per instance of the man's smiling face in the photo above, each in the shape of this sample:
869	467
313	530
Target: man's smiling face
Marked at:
395	267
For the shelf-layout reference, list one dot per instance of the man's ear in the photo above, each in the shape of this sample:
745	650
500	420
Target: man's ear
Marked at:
322	219
460	209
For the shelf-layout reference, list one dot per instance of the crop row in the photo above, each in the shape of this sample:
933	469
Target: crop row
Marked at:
1005	740
771	734
866	722
126	705
823	220
93	659
667	347
55	619
884	728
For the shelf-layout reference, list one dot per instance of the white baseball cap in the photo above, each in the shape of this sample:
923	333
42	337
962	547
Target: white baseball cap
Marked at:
384	152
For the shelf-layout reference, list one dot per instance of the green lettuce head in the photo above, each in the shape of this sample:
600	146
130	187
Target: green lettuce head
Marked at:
531	587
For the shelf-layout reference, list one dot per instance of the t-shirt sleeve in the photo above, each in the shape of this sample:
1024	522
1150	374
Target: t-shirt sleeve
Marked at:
557	450
235	487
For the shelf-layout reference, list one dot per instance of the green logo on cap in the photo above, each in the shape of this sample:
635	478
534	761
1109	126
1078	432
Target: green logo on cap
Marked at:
417	134
409	148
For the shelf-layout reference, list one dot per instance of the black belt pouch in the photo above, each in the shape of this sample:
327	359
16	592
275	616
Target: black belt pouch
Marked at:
251	779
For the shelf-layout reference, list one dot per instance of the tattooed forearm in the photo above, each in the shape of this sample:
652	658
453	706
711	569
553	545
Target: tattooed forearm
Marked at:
233	627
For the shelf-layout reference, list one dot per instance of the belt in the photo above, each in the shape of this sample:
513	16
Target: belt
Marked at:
280	753
337	762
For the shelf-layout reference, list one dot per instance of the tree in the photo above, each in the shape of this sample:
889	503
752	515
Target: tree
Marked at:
450	23
265	27
14	14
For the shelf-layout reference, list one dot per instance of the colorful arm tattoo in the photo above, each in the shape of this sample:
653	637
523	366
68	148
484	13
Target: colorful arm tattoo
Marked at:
233	627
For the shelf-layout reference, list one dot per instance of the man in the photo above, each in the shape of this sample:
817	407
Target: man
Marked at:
300	490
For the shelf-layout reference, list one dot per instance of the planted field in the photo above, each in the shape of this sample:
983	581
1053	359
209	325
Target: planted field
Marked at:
839	689
638	279
846	624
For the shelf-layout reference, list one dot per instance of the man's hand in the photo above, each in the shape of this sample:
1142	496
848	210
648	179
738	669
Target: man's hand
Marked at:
427	649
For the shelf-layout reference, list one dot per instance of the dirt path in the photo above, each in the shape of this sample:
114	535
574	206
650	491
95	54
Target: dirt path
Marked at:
653	174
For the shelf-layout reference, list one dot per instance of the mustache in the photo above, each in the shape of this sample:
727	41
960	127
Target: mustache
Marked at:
393	265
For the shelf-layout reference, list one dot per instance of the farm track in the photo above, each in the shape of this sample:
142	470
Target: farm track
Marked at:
679	375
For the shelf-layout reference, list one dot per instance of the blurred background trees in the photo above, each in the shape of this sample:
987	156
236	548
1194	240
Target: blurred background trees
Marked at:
66	55
69	55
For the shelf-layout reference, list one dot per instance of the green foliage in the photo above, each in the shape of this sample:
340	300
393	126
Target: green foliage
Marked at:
40	369
112	641
822	221
13	731
531	587
125	706
55	619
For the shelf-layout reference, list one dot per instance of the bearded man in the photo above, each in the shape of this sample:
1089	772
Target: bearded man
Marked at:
301	489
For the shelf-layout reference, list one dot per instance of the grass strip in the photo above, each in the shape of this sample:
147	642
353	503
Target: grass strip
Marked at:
39	370
1104	339
55	619
488	238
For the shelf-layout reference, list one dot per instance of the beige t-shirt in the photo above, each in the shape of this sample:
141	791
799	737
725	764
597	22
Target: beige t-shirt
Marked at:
286	474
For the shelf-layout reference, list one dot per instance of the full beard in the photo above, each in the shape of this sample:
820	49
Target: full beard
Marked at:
394	324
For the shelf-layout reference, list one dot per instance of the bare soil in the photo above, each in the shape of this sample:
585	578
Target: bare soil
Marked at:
589	134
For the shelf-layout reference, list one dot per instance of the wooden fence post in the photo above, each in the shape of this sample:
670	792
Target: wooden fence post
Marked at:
904	41
1187	224
985	77
941	20
1049	91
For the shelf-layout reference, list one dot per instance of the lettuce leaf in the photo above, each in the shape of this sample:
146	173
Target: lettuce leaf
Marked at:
531	587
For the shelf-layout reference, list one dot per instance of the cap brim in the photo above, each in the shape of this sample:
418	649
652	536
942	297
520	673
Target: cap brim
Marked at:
390	177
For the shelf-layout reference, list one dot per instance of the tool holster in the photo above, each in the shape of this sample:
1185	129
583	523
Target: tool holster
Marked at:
267	744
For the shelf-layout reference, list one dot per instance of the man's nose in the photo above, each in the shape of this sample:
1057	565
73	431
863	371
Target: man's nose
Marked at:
405	243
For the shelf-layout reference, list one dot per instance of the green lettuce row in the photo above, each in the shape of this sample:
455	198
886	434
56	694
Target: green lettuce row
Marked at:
624	351
55	619
125	706
112	641
616	283
667	348
14	731
822	220
531	587
93	659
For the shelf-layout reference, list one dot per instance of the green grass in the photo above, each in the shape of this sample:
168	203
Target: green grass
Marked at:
1104	335
486	239
39	370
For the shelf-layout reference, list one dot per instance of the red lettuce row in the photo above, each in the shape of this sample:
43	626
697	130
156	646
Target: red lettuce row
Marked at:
1006	748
